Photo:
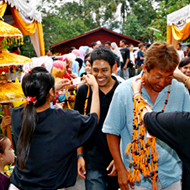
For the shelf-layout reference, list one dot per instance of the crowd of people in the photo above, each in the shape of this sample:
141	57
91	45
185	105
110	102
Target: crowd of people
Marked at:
99	84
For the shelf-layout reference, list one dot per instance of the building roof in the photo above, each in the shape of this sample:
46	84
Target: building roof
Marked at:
93	31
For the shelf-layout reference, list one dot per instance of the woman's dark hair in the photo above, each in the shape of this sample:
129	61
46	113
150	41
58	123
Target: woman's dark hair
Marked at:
87	55
184	62
103	53
2	144
80	61
36	83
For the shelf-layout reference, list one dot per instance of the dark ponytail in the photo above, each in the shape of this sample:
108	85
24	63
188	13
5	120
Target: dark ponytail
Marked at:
35	84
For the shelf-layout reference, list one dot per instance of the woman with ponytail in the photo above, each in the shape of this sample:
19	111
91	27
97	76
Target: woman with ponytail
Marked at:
47	139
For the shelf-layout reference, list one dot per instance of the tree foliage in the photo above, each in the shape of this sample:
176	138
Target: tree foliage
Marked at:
137	22
139	19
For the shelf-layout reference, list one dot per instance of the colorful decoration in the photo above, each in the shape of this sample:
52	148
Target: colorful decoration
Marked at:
143	154
142	148
9	91
10	33
9	59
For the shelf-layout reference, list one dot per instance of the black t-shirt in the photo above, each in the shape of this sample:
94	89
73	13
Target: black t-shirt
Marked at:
125	54
173	129
99	157
52	161
188	54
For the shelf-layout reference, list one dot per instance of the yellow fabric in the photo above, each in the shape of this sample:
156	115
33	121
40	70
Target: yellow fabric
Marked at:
7	59
169	34
8	31
181	35
3	7
19	102
26	29
41	38
10	92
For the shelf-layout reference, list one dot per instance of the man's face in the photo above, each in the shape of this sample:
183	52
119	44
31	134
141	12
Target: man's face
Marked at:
48	53
131	48
101	70
187	48
178	47
158	79
108	46
18	51
121	44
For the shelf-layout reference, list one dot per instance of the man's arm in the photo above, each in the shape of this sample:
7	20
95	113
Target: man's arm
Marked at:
127	54
113	143
141	56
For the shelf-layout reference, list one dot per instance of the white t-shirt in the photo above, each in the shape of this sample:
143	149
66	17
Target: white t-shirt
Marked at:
181	54
132	57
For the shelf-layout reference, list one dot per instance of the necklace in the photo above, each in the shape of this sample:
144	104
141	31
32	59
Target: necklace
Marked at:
143	155
86	101
3	173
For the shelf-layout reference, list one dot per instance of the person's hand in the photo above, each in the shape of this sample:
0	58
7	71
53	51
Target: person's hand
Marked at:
123	180
73	76
59	105
113	171
90	80
6	121
81	168
137	84
178	75
59	85
125	67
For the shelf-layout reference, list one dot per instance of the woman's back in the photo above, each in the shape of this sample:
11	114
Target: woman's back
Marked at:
52	159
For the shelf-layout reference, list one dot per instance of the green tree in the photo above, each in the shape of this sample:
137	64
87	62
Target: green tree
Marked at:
131	27
137	22
58	28
144	11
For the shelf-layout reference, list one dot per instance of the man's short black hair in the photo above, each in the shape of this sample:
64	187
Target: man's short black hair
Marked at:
72	48
103	53
124	41
108	42
93	44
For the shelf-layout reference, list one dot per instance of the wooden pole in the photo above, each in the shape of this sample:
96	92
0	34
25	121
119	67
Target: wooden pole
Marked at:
6	112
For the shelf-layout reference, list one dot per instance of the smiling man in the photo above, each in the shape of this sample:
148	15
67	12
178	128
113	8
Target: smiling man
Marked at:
160	62
96	166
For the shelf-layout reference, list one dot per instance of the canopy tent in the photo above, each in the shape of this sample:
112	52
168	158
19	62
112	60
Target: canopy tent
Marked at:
178	25
25	16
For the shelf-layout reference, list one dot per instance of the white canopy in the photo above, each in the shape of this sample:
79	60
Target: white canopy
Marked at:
178	17
27	7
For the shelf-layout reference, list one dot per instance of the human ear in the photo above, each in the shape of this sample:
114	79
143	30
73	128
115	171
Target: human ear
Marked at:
144	68
52	94
1	157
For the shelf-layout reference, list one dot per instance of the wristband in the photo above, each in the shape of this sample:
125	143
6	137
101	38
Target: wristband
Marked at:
136	92
80	155
185	82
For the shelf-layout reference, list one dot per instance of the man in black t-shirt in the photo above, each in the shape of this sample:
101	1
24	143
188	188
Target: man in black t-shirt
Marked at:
126	57
188	50
96	166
